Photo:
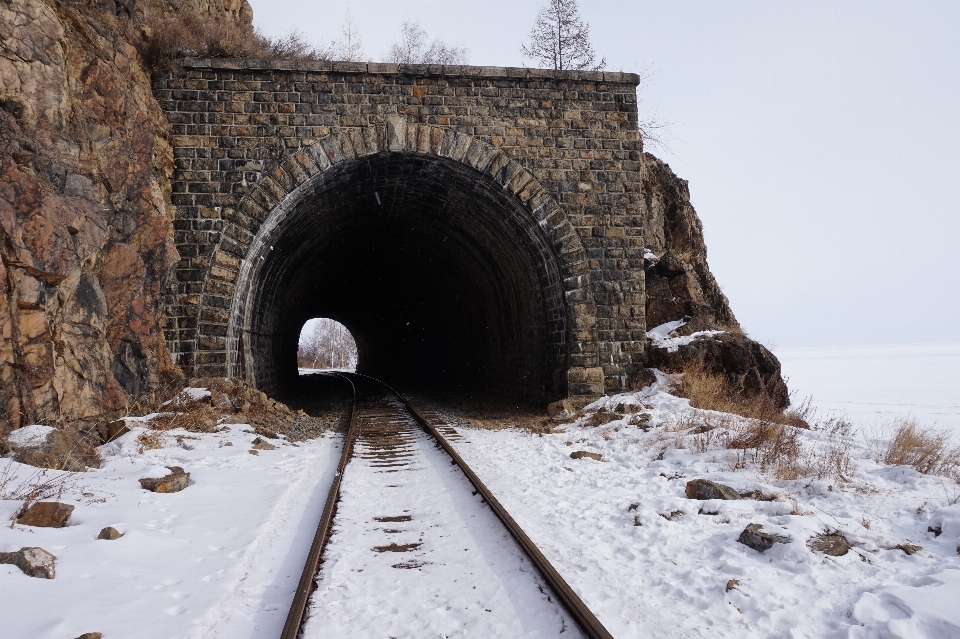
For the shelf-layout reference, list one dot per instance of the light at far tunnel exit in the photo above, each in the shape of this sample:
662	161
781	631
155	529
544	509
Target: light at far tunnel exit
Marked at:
327	345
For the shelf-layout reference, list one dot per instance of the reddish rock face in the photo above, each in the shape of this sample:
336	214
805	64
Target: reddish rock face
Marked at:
85	214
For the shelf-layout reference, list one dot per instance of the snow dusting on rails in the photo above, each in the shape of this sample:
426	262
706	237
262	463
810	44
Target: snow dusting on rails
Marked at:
465	573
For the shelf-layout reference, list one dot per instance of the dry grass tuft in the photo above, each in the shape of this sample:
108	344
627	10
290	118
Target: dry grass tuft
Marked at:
712	391
186	35
774	448
832	459
601	417
149	440
924	448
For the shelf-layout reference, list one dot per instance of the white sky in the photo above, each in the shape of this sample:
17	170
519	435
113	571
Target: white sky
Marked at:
821	140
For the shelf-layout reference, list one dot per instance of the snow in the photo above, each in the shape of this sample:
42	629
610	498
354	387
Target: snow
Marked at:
218	559
876	384
467	578
223	557
662	336
33	435
581	515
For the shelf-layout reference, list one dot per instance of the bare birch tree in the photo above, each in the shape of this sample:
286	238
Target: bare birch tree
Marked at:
561	39
327	344
349	47
412	48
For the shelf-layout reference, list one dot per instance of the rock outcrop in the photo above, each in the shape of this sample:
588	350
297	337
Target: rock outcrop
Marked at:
680	286
678	280
86	224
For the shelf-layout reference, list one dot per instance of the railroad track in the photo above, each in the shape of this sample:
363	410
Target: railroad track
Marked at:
414	502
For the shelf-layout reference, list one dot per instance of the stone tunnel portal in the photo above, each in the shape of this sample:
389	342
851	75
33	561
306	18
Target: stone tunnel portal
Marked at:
441	274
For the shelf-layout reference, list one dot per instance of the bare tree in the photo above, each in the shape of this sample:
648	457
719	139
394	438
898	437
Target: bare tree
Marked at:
327	344
349	47
561	39
412	48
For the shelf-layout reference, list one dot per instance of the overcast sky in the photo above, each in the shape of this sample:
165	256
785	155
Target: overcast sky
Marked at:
821	140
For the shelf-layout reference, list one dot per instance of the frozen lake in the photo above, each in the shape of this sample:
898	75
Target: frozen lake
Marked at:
875	384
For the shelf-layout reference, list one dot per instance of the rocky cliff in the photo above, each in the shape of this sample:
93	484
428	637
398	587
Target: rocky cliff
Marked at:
86	222
85	215
680	286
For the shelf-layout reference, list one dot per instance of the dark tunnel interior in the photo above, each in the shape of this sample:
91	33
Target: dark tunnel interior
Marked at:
443	278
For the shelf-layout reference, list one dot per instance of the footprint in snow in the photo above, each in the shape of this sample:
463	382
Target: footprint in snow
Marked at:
175	610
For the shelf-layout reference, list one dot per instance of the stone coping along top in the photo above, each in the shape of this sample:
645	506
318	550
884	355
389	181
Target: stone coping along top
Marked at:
467	71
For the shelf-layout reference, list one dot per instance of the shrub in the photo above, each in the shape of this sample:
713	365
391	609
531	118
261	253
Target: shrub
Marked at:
774	447
184	35
713	391
926	449
832	458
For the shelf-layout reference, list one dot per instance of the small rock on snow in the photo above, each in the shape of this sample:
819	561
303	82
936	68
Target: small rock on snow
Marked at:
911	549
833	544
753	537
176	481
46	514
579	454
34	562
732	583
110	533
704	489
91	635
261	444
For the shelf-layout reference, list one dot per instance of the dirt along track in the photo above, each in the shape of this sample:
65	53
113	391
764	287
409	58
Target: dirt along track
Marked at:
412	544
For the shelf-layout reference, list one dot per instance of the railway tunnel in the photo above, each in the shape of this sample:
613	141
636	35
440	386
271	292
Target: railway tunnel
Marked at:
443	277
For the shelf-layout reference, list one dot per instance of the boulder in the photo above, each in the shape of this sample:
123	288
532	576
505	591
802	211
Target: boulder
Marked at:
641	378
46	514
911	549
176	481
261	444
704	489
760	541
111	430
91	635
34	562
750	368
59	449
580	454
561	410
832	544
110	533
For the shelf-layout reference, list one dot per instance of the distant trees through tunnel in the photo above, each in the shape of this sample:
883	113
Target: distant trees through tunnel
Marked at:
326	344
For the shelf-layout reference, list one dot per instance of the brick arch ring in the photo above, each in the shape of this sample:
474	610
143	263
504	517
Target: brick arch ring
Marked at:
262	211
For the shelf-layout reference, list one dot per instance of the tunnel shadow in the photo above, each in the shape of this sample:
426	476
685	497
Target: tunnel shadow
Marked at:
444	279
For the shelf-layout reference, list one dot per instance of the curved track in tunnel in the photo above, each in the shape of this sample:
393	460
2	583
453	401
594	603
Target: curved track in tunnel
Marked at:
398	474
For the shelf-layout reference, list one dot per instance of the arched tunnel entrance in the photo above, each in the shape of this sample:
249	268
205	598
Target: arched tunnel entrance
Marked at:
442	275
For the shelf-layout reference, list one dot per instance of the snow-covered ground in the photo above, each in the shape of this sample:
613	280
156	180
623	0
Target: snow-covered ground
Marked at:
652	563
875	384
221	558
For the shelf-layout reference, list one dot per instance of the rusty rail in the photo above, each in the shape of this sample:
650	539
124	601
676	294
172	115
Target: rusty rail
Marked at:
291	628
582	615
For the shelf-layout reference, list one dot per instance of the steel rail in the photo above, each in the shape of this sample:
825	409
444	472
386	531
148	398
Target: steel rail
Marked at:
570	600
578	610
295	618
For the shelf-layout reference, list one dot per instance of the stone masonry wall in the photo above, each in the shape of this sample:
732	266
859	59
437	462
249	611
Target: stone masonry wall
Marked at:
234	122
